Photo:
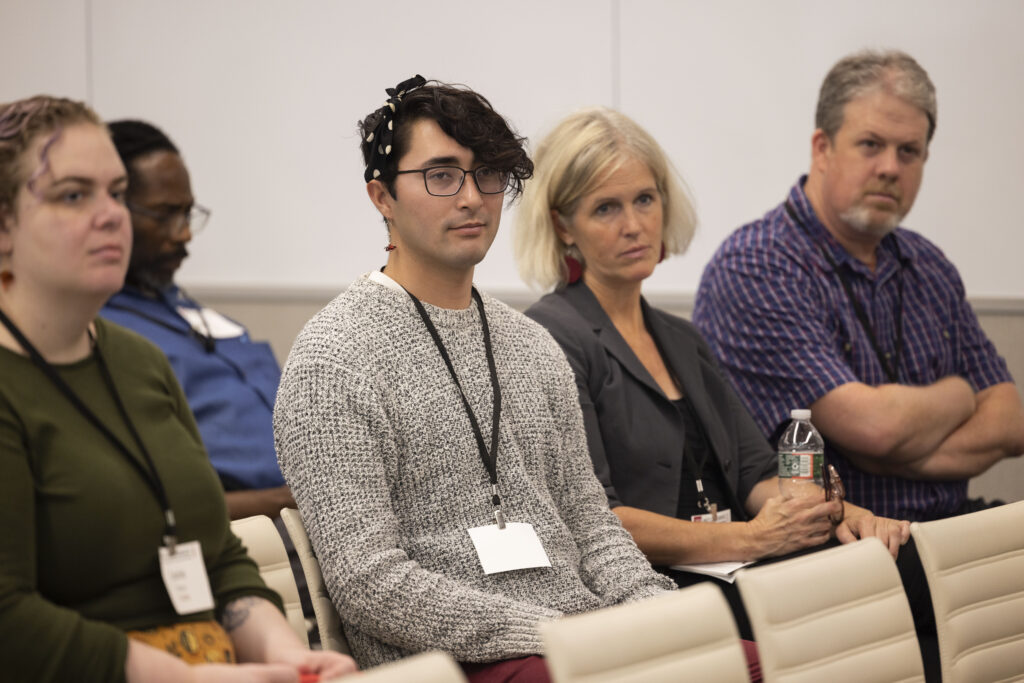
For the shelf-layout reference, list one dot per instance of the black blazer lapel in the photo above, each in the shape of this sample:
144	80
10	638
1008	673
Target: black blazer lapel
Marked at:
680	351
681	355
587	305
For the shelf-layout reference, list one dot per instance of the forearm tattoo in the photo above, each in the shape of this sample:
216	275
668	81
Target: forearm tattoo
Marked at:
236	613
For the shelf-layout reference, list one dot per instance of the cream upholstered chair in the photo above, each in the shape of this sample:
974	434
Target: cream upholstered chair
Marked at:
327	620
265	547
429	667
683	635
836	615
975	570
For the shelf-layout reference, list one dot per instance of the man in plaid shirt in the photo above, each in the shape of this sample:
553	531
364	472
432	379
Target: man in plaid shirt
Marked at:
826	303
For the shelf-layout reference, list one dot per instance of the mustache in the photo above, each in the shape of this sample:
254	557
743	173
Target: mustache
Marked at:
884	188
145	262
181	253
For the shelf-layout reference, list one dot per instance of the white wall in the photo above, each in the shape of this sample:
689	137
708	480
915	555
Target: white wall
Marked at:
262	96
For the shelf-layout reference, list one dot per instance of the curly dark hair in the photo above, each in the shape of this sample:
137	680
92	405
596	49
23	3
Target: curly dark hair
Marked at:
465	116
134	139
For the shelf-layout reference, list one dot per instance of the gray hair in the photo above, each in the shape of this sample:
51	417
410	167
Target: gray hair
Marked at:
861	73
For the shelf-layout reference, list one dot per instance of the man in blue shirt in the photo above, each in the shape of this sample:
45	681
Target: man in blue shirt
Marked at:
826	303
230	381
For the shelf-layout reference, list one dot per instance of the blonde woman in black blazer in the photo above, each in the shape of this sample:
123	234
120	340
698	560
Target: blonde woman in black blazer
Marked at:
604	208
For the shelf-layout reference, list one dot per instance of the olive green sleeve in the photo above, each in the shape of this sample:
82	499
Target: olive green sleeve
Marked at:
40	641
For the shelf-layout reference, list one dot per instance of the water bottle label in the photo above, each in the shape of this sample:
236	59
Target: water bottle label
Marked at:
796	465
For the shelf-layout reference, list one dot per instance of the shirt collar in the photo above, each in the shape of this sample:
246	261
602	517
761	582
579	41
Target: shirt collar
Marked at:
171	297
381	279
895	248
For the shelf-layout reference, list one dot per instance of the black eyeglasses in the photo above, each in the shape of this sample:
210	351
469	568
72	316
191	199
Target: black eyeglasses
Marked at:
446	181
173	221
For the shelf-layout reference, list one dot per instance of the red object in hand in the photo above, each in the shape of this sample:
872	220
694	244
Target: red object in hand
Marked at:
309	678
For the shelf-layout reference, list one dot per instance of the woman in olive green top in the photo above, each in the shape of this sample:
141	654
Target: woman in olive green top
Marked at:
101	465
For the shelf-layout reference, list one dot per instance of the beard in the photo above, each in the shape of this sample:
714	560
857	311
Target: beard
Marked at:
155	273
868	220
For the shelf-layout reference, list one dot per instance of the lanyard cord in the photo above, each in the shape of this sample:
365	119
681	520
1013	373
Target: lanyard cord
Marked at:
489	457
696	467
891	371
207	340
151	476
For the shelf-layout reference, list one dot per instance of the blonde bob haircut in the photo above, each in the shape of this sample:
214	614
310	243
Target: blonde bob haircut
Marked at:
574	160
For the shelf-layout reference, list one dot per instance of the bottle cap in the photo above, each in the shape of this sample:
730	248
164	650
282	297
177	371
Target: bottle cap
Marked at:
800	414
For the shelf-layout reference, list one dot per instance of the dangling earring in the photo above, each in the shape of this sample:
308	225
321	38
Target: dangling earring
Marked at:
662	257
6	274
573	266
391	246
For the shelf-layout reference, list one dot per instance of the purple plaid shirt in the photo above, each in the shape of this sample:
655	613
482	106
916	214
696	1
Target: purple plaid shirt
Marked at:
780	322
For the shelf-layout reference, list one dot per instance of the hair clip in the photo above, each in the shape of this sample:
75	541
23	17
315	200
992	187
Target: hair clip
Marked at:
383	134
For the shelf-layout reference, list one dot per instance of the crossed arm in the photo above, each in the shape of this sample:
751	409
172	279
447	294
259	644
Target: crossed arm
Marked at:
942	431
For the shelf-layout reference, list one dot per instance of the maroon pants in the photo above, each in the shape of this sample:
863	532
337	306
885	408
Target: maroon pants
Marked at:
533	670
522	670
753	660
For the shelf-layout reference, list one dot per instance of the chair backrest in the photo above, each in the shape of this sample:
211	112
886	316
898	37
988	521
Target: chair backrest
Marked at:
975	569
687	634
836	615
265	547
429	667
327	620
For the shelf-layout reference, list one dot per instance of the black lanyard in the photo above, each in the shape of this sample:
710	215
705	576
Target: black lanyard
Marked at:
489	457
151	476
695	467
207	340
891	371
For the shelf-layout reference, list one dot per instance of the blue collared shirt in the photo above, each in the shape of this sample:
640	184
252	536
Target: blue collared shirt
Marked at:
231	389
776	315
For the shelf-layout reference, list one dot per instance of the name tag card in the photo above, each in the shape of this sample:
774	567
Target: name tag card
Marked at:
503	550
185	578
720	517
211	322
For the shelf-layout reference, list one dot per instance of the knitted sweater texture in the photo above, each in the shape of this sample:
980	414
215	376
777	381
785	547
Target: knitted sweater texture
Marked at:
375	444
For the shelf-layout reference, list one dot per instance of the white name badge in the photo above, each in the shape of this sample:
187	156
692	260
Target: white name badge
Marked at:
185	578
722	516
211	322
504	550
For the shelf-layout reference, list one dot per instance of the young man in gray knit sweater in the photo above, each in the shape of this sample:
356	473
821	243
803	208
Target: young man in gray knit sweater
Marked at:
431	435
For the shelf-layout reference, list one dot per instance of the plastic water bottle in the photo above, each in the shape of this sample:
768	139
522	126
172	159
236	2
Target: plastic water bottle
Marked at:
801	456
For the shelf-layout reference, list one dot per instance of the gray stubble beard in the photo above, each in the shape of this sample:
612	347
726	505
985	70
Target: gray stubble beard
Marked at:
859	218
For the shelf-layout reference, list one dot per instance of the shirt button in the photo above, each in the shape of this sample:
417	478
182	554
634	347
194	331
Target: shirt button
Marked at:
727	464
